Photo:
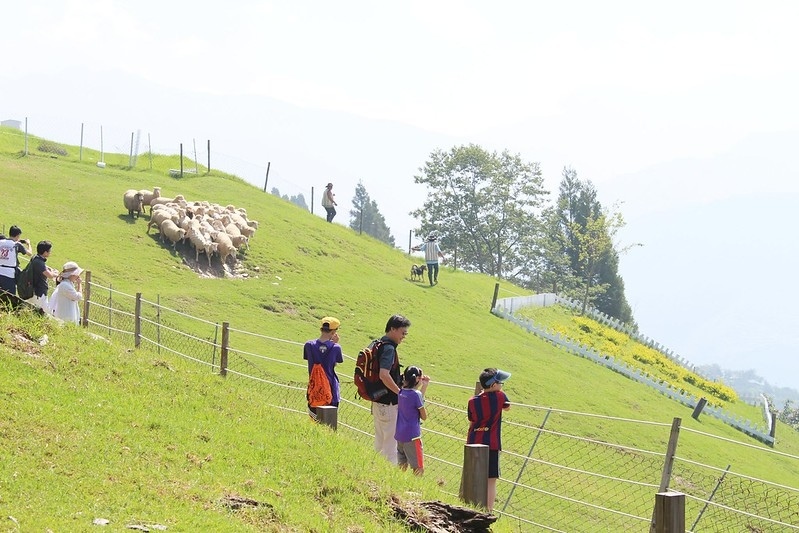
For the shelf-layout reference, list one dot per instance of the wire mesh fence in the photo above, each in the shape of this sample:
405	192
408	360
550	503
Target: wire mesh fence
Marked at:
560	470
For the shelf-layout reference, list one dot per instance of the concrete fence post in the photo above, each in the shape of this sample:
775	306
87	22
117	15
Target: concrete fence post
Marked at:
328	415
474	478
137	322
223	349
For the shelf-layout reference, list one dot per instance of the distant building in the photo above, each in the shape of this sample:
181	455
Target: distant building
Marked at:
12	124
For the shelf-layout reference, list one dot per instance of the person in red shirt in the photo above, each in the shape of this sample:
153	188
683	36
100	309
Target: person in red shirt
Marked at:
485	423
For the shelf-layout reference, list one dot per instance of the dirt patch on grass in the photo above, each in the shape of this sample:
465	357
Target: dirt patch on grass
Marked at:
439	517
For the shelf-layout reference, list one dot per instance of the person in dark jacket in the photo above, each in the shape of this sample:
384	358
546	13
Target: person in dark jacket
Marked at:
41	273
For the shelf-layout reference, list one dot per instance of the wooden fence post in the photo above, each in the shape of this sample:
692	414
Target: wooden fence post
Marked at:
494	299
698	409
668	464
86	298
328	415
137	322
669	512
773	432
474	478
223	349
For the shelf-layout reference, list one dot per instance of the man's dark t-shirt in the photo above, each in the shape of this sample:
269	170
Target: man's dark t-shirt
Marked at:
39	280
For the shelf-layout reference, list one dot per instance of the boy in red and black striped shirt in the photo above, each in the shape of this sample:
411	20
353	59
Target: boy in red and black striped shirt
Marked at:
485	417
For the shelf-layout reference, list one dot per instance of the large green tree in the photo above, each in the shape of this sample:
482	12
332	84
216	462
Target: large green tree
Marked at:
365	217
483	205
585	232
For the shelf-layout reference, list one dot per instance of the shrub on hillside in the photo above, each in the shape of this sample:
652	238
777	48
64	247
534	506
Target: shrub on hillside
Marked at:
610	342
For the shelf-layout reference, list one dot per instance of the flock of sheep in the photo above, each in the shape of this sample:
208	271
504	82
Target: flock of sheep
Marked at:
209	228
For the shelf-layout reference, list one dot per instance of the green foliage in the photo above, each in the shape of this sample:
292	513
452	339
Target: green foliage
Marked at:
581	231
621	346
366	217
298	199
484	204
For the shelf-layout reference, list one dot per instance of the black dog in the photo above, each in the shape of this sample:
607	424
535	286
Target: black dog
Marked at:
417	272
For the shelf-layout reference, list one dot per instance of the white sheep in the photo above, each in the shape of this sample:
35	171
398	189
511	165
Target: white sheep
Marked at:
148	196
171	231
132	200
225	247
160	200
159	214
232	230
247	231
203	244
239	241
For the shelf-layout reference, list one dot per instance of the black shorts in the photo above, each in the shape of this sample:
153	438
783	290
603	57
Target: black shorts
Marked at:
493	463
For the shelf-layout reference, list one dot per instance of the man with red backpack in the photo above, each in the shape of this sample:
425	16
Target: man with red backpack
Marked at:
384	408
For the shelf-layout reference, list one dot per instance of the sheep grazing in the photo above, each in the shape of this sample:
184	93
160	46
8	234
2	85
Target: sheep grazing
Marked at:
202	243
225	247
157	216
240	241
149	196
171	231
134	202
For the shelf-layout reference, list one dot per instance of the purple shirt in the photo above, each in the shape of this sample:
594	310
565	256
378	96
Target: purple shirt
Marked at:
409	425
326	353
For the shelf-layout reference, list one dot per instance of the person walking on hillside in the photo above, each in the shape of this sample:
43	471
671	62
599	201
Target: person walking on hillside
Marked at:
66	298
410	413
384	409
10	248
326	352
41	273
485	423
329	202
432	253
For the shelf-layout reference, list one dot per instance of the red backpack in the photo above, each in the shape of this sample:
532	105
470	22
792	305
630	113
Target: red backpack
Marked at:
318	392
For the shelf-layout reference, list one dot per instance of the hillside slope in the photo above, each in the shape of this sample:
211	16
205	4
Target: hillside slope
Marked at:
300	268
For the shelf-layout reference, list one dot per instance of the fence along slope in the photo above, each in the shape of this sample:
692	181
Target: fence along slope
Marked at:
551	477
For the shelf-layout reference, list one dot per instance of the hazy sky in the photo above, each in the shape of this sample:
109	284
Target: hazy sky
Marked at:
613	89
683	78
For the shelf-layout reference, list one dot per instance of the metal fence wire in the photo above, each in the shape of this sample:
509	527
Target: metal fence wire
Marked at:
560	470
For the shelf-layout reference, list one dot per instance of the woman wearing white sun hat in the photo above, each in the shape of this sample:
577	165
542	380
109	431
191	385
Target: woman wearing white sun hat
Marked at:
64	303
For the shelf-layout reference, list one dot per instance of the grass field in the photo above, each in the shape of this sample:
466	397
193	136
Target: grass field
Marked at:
95	430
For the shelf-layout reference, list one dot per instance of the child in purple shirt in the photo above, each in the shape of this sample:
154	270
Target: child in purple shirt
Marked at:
326	351
410	413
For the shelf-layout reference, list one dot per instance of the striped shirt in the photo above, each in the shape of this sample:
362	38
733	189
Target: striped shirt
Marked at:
485	417
431	251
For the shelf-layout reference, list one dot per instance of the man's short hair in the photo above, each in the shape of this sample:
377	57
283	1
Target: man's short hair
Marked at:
43	246
397	321
14	231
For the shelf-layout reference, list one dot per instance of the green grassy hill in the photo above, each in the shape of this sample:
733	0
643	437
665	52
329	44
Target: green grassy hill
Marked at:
298	269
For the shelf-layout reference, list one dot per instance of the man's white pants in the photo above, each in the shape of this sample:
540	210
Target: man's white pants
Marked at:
385	417
40	302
